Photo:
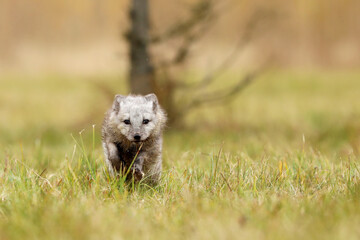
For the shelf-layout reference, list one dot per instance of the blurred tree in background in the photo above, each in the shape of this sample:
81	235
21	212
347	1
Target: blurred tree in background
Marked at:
146	77
141	78
193	47
311	33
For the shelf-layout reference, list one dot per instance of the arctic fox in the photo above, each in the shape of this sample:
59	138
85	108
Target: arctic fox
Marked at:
133	126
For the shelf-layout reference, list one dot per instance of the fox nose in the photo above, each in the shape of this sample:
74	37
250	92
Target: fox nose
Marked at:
137	137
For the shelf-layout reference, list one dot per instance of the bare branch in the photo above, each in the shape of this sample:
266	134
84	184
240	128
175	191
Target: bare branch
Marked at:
191	31
200	12
189	40
188	32
250	27
221	95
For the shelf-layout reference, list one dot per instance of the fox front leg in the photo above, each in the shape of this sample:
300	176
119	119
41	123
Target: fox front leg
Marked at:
137	168
113	160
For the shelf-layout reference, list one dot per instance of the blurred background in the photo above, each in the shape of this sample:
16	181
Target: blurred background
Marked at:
84	37
253	72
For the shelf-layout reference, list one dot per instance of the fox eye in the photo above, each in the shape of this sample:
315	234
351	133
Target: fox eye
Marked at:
146	121
127	121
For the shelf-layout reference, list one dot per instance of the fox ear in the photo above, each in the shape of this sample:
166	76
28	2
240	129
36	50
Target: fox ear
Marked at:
116	103
152	98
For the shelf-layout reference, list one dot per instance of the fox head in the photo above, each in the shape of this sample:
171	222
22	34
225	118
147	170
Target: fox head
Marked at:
137	117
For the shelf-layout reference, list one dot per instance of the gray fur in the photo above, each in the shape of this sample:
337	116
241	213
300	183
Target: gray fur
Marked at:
118	140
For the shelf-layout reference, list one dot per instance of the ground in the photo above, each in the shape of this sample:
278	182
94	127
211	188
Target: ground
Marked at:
281	161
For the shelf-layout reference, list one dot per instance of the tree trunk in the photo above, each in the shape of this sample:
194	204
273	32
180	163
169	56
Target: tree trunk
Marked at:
141	70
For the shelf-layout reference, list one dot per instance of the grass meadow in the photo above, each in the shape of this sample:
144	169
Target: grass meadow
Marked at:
281	161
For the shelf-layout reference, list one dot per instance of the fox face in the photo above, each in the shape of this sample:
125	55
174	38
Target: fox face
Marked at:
135	117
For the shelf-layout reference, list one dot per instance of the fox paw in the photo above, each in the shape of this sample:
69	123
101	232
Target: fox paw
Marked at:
138	174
